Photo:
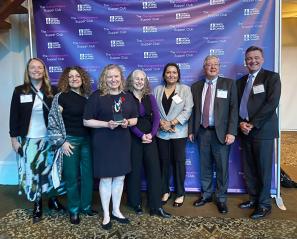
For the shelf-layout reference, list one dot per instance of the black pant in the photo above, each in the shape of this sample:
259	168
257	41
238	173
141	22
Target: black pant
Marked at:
147	155
173	150
257	162
212	152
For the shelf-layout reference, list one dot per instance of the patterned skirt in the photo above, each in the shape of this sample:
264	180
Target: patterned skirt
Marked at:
35	168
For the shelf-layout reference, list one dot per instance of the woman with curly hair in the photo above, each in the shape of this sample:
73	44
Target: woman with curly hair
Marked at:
66	130
109	112
144	149
27	128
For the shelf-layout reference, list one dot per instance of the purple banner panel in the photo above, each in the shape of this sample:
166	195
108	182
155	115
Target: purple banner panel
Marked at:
149	34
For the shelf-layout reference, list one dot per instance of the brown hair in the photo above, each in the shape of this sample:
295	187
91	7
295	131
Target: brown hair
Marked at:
63	84
102	86
46	85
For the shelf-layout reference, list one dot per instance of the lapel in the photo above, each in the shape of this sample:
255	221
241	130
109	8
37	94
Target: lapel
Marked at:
177	92
198	94
160	96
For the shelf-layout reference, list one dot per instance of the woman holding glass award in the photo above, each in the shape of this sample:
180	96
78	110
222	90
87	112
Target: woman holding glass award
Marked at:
109	111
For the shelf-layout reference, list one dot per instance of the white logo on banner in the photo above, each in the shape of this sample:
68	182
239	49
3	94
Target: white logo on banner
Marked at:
150	54
149	5
84	7
251	11
217	52
52	20
183	40
117	43
86	56
54	69
116	18
53	45
184	65
216	2
182	15
216	26
85	32
251	37
149	29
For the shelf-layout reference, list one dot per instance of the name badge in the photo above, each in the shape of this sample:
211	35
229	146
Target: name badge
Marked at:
176	98
222	94
26	98
258	89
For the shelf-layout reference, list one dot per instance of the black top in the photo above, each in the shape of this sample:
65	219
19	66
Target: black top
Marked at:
73	108
21	110
167	102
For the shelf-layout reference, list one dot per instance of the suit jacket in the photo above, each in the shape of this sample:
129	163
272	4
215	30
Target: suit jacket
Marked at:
225	109
262	105
181	111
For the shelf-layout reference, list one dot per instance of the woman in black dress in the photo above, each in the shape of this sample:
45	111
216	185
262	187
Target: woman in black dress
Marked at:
109	111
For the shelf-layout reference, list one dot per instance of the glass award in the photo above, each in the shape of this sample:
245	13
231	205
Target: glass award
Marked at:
117	110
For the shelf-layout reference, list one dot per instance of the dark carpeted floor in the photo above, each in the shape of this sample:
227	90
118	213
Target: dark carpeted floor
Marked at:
188	222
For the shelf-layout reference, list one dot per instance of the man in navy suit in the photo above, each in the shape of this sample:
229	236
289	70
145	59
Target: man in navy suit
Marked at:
258	94
214	123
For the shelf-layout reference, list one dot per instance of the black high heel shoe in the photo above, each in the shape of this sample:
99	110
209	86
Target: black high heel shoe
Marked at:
54	204
178	204
163	202
37	211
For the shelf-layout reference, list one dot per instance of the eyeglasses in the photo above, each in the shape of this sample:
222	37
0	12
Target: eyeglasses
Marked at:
212	65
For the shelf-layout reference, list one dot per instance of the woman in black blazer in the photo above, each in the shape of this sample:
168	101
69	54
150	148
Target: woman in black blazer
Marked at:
28	131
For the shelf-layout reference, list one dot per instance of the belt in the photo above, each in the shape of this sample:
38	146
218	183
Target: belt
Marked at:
209	127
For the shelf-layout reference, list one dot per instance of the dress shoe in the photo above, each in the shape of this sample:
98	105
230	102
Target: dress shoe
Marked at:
160	212
222	207
90	212
261	212
165	201
107	226
247	204
54	204
201	201
74	218
37	211
138	209
178	204
120	220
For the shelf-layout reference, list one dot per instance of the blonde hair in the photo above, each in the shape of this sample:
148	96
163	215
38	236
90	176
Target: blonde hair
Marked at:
46	84
63	84
102	85
129	83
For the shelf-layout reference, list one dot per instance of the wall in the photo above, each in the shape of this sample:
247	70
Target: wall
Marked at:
289	75
14	52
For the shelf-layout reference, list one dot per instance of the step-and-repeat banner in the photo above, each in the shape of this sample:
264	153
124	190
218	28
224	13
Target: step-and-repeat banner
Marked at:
149	34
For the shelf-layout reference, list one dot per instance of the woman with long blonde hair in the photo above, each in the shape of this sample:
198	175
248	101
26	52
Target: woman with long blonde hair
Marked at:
109	112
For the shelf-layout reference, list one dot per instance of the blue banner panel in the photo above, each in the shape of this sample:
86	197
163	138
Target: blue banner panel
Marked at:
149	34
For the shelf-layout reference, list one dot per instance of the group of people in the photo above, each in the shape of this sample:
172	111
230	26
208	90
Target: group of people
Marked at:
123	127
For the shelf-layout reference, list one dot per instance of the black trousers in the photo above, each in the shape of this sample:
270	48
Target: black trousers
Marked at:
144	155
257	163
213	153
173	151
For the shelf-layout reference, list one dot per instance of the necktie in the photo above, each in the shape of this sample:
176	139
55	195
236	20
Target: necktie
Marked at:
243	111
206	106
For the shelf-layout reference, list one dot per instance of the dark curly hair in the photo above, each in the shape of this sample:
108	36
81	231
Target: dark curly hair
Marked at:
63	84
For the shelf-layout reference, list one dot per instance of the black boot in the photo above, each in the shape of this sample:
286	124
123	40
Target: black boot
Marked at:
54	204
37	211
